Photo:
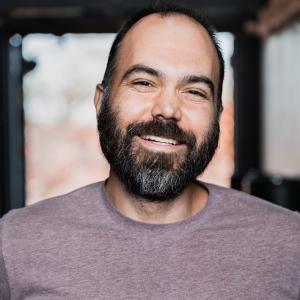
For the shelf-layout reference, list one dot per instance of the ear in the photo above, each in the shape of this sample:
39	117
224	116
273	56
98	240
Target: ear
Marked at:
98	96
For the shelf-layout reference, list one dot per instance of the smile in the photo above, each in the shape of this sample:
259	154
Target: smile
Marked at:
159	139
159	144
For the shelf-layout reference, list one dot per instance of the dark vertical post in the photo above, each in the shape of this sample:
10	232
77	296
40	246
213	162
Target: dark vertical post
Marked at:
3	121
12	189
247	105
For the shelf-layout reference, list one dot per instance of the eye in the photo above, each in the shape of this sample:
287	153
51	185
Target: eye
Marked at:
197	93
142	83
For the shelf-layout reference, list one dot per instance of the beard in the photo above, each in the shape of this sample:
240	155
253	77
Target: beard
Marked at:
153	176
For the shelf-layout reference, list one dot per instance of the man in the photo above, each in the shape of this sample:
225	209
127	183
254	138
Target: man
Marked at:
151	231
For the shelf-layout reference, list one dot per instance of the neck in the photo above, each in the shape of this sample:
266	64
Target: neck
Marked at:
188	203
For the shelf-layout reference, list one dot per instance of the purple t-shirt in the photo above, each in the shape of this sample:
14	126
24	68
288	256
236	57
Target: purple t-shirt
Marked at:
77	246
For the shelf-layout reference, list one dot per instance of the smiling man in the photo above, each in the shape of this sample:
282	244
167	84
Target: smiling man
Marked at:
158	117
151	231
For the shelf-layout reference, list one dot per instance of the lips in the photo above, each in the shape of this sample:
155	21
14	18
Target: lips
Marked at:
159	139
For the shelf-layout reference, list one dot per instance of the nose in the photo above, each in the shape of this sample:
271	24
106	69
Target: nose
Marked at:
167	105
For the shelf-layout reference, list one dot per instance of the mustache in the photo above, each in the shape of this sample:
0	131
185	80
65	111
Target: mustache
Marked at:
163	128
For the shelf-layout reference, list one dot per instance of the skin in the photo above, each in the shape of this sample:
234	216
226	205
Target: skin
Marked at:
167	67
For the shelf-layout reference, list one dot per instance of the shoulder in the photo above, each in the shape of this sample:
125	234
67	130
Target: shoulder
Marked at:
267	229
263	215
243	203
27	233
51	211
263	219
262	235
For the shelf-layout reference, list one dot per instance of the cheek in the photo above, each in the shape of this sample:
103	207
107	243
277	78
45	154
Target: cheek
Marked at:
132	109
199	119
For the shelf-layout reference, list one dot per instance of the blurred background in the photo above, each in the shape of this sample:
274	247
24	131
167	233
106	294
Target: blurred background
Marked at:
53	53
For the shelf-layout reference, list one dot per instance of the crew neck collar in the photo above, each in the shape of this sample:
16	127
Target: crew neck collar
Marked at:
123	221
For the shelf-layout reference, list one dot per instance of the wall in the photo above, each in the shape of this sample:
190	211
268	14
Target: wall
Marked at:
281	94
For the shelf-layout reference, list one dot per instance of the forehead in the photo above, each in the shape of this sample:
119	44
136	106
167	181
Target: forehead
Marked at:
174	44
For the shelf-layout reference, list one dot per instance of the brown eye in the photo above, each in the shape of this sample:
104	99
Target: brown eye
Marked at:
142	83
197	93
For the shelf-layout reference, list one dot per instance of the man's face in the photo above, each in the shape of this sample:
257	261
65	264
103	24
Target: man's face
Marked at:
157	124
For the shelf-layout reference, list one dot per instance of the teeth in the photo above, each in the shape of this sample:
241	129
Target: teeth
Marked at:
159	139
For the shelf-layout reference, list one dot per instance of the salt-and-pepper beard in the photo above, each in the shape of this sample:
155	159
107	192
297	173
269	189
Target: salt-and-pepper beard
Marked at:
153	176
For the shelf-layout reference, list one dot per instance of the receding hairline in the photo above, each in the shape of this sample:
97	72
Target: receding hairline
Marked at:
163	10
168	14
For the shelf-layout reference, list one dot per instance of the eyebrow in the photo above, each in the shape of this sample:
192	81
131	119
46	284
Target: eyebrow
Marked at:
200	79
141	69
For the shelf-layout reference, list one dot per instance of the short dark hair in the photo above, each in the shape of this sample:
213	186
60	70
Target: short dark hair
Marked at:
164	9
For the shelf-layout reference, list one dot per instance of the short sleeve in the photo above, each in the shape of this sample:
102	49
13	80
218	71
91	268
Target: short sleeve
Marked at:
4	285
